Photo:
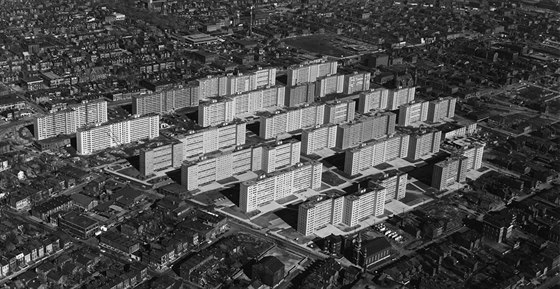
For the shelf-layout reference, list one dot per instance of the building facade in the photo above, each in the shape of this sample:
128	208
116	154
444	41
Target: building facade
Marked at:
449	172
212	86
242	83
317	138
373	251
215	86
375	99
167	100
279	184
413	113
400	96
460	130
218	166
211	139
364	129
441	109
161	157
394	183
474	154
356	82
253	101
310	72
281	122
367	202
319	211
101	137
423	142
340	111
300	94
329	85
280	154
498	227
375	153
222	165
221	110
71	119
216	111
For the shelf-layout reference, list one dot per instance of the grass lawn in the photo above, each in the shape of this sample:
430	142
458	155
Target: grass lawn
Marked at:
332	179
131	172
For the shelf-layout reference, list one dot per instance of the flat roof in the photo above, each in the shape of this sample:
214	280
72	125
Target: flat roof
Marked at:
10	98
200	37
80	220
280	172
51	75
287	109
82	199
107	124
376	245
158	142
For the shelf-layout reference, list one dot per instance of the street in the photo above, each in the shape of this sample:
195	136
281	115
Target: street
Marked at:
283	243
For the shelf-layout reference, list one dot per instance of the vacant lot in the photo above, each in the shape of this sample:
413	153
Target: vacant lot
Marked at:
321	44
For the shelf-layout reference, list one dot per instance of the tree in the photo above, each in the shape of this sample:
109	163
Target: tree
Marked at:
12	238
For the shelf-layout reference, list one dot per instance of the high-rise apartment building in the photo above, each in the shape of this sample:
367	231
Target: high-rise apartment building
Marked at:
412	113
53	124
280	154
91	112
242	83
375	99
442	108
367	202
375	153
452	130
161	157
256	100
114	134
265	77
216	111
211	139
356	82
297	95
365	128
395	184
310	72
212	86
317	138
400	96
319	211
340	111
291	119
449	171
279	184
226	109
474	154
329	85
473	151
167	100
215	86
220	165
68	121
423	142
